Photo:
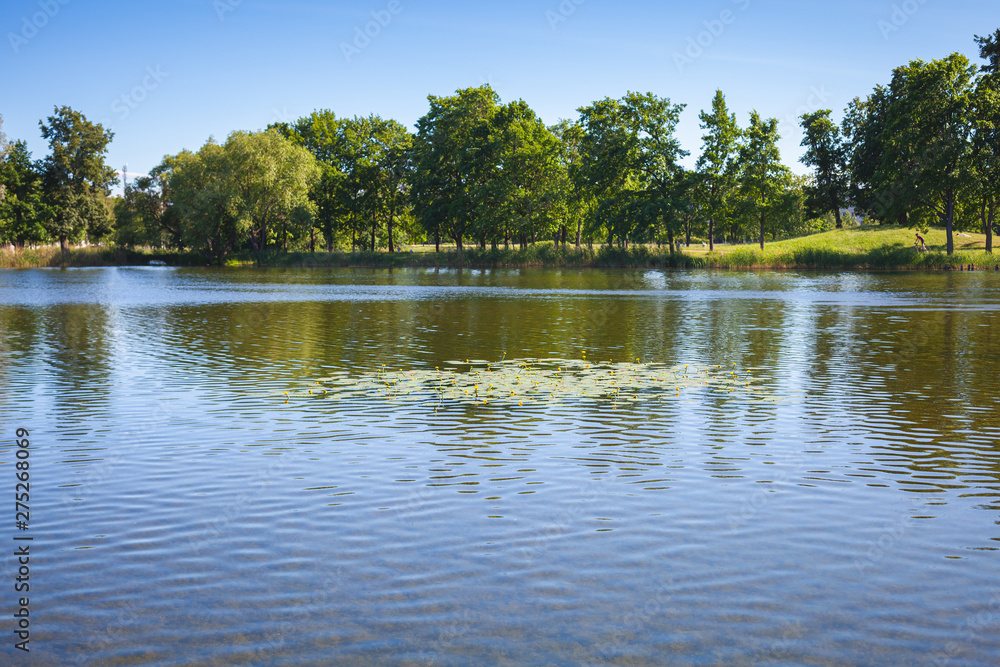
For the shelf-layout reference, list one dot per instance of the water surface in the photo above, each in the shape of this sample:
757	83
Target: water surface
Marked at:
185	511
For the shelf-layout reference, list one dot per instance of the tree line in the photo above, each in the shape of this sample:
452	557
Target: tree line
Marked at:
923	149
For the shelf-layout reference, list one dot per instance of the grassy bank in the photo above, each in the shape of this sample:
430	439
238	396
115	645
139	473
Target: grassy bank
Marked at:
873	248
52	257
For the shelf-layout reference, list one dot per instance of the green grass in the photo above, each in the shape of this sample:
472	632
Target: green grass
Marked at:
868	247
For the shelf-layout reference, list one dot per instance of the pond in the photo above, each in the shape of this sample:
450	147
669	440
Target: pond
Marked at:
526	467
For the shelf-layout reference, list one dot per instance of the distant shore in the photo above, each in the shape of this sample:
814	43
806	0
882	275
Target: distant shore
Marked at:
858	248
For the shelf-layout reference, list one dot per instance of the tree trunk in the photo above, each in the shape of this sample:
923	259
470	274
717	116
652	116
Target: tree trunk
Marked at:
579	229
711	234
762	230
437	241
836	213
374	227
392	211
312	240
670	239
458	244
64	244
687	231
989	227
950	218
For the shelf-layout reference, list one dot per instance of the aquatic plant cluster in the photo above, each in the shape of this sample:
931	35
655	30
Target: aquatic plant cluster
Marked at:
525	381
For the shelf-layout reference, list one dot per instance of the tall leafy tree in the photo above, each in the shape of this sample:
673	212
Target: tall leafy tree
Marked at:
989	50
874	193
762	173
572	186
269	180
322	133
929	126
22	207
452	165
631	161
395	162
608	166
76	179
826	153
717	162
144	216
4	148
201	195
522	174
986	134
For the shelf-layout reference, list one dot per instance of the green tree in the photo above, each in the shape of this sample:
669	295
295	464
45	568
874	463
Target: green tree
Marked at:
451	166
521	177
375	162
76	179
986	133
929	126
717	162
322	133
607	168
4	149
201	195
874	194
22	207
762	174
631	161
268	181
571	186
825	152
989	50
144	216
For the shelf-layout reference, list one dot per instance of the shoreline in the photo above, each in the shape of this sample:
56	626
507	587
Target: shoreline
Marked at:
855	249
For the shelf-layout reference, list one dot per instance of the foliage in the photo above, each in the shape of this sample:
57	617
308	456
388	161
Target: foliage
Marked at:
762	176
23	207
630	163
75	178
826	152
718	165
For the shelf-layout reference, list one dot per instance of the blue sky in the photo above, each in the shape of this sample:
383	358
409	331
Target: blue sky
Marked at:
167	75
